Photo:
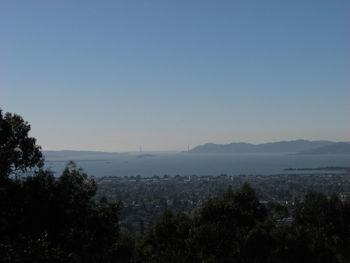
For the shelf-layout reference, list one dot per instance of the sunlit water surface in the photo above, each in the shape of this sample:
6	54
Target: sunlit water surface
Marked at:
132	164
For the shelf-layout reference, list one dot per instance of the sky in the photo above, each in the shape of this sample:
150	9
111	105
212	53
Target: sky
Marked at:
114	75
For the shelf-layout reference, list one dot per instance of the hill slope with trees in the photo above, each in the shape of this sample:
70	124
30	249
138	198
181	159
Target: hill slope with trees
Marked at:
56	219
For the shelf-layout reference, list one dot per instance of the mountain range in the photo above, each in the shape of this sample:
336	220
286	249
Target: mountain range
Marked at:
296	146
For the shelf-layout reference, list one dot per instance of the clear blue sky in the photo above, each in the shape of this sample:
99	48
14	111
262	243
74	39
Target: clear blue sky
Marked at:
111	75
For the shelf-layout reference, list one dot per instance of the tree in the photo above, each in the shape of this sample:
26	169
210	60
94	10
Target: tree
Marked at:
48	219
322	221
57	220
166	240
18	151
228	228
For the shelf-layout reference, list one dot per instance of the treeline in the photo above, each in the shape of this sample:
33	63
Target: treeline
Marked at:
235	227
145	198
57	219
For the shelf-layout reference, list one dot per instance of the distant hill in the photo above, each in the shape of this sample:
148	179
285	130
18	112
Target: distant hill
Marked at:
272	147
296	146
334	148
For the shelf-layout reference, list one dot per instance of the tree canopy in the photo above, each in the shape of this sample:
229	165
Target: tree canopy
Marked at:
18	151
44	218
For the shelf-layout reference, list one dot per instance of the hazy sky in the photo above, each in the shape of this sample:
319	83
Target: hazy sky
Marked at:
111	75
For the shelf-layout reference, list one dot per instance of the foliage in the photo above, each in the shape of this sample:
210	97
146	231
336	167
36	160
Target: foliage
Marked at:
166	240
50	219
18	151
55	217
225	227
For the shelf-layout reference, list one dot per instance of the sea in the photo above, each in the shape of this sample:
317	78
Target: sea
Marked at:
183	163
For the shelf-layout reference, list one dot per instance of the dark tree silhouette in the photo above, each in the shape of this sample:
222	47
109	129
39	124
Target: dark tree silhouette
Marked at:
51	219
228	228
18	151
166	240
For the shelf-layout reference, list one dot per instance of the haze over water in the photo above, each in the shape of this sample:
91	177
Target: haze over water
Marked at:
145	165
